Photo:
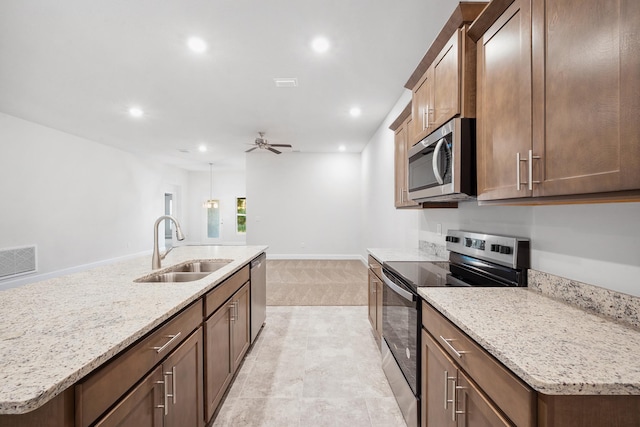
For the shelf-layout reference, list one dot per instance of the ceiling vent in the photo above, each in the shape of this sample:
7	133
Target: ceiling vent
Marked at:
286	82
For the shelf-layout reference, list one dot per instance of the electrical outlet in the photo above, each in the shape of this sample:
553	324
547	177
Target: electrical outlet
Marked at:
439	229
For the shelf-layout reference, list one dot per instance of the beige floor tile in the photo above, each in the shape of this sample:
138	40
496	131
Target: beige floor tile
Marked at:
312	366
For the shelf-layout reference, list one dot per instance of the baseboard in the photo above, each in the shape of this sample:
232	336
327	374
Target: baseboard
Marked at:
32	278
315	256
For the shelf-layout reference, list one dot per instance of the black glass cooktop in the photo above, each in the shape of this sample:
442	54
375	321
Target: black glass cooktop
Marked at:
420	273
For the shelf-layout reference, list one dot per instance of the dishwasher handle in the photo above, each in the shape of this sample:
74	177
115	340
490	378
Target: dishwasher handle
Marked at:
258	260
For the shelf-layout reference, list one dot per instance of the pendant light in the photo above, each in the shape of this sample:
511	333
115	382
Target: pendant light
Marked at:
210	203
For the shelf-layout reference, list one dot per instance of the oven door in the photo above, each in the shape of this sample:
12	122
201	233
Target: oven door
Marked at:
400	317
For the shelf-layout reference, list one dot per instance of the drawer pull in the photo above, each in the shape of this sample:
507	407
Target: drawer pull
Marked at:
447	341
168	343
173	384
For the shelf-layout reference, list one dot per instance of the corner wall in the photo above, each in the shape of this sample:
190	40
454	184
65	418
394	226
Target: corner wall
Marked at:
79	201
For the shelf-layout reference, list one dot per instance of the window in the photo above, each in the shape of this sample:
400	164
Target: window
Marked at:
241	215
213	219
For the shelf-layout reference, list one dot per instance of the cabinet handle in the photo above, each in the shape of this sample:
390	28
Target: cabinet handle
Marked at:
165	405
168	343
447	378
531	181
518	181
172	373
454	411
232	312
447	341
167	395
235	305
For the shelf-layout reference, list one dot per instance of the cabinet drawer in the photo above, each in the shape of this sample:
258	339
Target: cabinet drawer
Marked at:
375	266
514	397
216	297
105	386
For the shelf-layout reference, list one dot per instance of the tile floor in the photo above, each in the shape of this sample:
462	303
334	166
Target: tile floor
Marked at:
312	366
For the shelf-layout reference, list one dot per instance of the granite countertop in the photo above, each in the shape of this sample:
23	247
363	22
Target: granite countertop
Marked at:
390	254
556	348
55	332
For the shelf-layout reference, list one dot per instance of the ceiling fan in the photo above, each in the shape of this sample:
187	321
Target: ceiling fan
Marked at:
263	144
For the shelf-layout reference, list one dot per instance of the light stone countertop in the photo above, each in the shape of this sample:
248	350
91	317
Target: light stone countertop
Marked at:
54	332
390	254
555	348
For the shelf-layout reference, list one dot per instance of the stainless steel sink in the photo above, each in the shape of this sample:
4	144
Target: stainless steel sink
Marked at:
187	272
173	276
202	266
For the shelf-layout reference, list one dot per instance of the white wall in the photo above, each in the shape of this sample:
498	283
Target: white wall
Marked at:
304	205
227	186
79	201
597	244
384	226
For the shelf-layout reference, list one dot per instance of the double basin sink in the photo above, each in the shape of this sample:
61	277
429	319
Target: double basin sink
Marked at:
187	272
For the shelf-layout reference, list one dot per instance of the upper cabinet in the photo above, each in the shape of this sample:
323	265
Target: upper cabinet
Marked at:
401	145
558	99
443	84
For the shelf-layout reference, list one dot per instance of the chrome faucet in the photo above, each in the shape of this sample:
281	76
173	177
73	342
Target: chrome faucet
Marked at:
157	258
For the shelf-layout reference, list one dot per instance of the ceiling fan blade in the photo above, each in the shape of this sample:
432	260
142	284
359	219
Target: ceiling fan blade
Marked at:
280	145
250	149
274	150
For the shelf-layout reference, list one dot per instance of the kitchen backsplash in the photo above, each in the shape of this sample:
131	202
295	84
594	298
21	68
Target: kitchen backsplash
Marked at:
618	306
433	249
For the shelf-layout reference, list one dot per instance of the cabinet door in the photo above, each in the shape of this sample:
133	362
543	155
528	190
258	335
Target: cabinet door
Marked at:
240	338
379	286
183	378
438	385
421	108
219	369
504	125
446	83
372	301
474	409
142	407
402	145
587	77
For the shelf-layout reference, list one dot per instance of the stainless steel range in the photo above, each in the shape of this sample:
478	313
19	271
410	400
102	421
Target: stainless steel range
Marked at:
475	259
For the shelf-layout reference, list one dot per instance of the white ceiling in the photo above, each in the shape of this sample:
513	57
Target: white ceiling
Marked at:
79	65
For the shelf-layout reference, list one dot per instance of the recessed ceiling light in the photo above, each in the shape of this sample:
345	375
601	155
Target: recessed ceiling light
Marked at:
136	112
342	148
202	148
196	44
355	111
320	44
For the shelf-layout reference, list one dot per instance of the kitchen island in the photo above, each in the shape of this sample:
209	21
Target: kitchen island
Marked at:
56	332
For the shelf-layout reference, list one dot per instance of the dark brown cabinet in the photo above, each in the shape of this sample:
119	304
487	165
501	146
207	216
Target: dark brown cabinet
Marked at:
226	336
503	126
170	396
402	129
375	297
444	82
558	100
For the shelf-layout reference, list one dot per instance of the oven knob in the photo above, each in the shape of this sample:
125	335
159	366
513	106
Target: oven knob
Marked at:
452	239
495	248
505	250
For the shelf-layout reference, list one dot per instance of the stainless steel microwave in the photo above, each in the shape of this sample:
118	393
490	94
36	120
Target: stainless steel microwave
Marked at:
442	167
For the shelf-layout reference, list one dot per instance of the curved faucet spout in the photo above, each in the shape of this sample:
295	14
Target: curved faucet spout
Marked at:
157	258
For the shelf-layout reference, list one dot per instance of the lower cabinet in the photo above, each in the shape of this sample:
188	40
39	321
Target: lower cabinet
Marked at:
227	341
375	297
170	396
449	397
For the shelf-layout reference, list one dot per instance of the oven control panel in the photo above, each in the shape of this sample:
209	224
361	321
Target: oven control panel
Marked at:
504	250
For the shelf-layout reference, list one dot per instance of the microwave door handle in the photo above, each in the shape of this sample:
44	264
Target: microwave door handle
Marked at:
436	166
397	289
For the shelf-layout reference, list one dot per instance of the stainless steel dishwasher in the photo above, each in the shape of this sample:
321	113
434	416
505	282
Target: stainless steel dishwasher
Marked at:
258	294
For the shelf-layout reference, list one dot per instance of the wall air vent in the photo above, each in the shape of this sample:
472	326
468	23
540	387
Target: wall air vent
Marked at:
17	261
286	82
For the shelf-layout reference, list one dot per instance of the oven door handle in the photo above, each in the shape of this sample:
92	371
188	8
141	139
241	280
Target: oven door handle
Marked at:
397	289
435	161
